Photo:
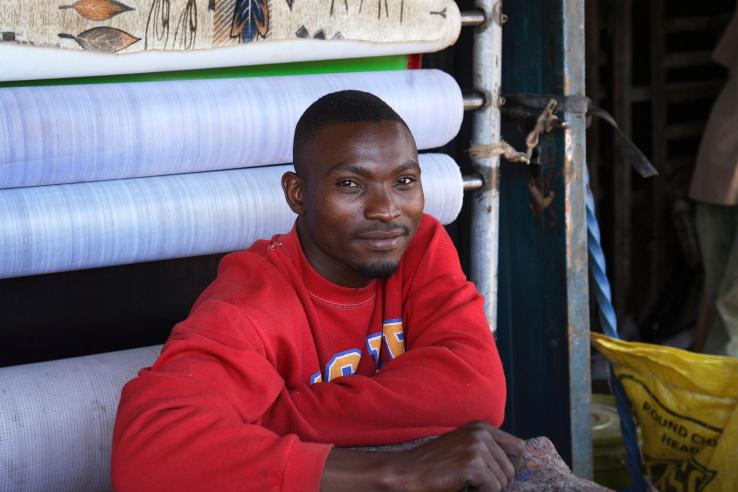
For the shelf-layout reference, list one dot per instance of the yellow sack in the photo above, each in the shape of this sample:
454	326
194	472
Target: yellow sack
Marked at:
687	407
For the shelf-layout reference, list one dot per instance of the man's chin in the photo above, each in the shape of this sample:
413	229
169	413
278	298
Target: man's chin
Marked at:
379	269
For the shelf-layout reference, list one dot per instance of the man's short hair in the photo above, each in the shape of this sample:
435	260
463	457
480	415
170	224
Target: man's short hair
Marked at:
349	106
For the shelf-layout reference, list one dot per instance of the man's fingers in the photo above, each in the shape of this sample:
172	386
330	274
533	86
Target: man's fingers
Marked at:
498	469
513	446
516	460
487	481
498	455
510	444
502	463
488	454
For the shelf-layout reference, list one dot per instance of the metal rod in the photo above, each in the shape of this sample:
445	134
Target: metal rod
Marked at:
485	131
473	101
575	237
472	182
472	18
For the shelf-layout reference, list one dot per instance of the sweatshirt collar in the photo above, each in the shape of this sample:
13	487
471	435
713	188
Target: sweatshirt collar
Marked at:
319	287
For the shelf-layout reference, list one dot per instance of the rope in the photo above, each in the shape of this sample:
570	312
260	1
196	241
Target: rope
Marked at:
545	123
609	325
477	151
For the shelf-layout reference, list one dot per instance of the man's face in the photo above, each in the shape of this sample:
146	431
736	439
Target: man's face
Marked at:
359	197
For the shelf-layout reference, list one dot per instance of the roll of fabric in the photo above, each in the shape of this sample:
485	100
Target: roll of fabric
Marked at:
69	134
132	26
56	420
49	64
70	227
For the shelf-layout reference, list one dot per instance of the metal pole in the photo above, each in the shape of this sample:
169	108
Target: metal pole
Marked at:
575	170
486	130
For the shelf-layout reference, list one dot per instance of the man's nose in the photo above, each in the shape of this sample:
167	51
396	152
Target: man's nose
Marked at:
380	205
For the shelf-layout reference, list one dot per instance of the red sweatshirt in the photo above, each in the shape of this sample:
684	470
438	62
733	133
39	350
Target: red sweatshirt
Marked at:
252	389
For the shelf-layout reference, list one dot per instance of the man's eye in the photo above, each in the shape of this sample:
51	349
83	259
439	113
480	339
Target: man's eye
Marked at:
405	180
348	183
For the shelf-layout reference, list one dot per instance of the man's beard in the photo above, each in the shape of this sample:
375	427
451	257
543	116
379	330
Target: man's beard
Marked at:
377	269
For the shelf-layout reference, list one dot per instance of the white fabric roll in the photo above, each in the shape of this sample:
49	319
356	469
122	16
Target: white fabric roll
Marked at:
443	186
69	134
21	62
69	227
56	420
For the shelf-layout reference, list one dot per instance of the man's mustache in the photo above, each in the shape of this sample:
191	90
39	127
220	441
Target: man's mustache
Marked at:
383	228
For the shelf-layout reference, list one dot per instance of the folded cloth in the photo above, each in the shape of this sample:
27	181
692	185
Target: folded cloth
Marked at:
541	469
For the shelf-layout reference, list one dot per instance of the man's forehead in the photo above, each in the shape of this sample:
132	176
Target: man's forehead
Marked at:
348	131
336	145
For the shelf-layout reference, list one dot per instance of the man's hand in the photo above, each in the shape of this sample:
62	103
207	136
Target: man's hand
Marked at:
476	455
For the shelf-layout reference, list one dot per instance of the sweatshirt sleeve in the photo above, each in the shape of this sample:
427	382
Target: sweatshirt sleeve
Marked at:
193	420
449	375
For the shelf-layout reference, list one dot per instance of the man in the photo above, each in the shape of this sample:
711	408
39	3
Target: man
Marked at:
715	189
357	328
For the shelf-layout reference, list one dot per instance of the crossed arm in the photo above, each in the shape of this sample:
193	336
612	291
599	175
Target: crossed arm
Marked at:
449	375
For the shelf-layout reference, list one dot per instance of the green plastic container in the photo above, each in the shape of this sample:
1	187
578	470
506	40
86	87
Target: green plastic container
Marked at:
608	448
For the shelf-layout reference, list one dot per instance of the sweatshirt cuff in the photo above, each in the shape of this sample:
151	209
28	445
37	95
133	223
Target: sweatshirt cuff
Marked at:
303	471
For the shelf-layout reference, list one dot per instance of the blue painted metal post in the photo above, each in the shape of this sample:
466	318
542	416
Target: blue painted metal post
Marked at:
575	183
543	303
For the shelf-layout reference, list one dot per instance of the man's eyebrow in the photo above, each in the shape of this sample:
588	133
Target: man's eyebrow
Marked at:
363	171
408	165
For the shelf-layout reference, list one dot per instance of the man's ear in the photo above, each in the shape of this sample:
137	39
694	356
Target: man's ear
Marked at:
294	191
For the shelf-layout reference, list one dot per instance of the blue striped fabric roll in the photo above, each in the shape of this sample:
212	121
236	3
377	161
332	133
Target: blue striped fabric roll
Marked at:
75	226
70	134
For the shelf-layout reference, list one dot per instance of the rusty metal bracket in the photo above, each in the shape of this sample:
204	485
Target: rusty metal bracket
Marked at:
497	15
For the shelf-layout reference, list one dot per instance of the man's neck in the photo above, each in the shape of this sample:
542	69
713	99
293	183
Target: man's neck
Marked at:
326	266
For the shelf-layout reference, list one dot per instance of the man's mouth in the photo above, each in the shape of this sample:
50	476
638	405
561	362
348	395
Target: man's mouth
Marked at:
381	240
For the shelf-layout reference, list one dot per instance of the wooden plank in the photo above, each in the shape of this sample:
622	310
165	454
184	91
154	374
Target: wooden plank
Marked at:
684	59
681	91
698	23
679	162
592	33
679	131
622	61
641	93
693	91
659	118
